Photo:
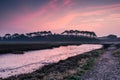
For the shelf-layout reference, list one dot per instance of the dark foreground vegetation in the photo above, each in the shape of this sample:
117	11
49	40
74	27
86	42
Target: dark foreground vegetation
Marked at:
69	69
117	53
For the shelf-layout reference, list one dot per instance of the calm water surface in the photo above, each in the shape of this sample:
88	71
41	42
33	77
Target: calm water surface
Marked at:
14	64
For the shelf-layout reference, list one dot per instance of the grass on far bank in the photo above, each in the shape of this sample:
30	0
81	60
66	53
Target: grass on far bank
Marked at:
69	69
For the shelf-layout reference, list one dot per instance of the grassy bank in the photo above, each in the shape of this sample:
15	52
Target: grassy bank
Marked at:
117	53
69	69
27	46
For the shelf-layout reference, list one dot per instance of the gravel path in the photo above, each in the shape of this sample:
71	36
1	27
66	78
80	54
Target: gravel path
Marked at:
106	68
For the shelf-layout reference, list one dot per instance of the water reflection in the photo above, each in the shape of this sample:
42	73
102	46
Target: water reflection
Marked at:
11	64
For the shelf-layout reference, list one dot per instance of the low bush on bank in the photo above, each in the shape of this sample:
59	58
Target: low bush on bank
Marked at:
117	53
85	67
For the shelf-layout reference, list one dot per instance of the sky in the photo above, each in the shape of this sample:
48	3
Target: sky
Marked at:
23	16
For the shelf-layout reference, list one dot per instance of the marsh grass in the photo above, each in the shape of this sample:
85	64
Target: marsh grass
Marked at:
86	67
30	46
116	53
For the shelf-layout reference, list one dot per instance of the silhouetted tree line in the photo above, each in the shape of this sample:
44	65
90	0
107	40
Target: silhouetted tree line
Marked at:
67	35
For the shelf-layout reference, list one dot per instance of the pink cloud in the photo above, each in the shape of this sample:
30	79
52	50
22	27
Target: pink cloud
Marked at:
45	12
98	10
29	15
52	16
67	2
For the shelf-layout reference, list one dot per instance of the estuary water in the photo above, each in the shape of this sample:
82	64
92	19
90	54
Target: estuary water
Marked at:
14	64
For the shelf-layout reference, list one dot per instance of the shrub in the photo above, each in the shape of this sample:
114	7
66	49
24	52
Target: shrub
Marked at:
72	77
95	54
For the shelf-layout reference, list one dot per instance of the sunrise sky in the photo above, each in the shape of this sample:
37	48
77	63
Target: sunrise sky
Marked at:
22	16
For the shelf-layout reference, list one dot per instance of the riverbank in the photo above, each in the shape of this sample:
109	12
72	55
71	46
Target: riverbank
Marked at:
117	53
20	47
107	67
73	67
